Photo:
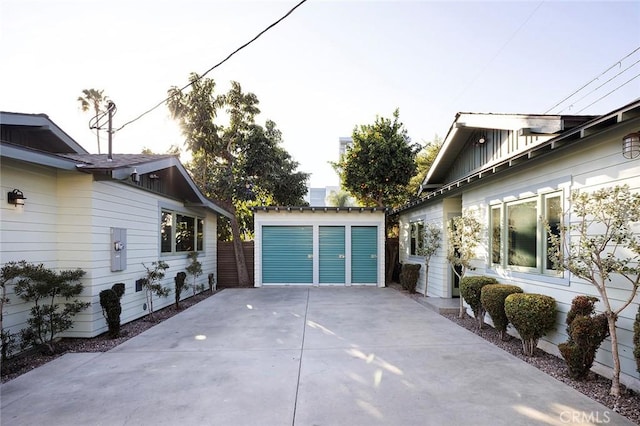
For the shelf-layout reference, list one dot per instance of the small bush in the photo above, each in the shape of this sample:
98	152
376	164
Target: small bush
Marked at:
533	315
470	290
111	308
180	278
492	299
409	276
636	339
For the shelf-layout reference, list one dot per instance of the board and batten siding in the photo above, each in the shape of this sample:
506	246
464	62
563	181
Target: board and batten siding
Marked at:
315	220
66	224
593	166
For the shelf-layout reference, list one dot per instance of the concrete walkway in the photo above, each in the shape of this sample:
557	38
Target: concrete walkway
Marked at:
298	356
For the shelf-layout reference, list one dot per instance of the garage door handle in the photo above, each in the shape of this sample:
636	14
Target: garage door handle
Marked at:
341	256
310	256
374	256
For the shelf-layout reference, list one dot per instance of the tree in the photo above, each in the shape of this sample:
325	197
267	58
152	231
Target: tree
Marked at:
44	289
237	164
152	282
339	199
600	245
463	233
93	99
431	238
194	268
377	168
424	160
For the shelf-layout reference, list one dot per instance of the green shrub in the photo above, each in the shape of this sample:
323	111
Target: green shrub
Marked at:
470	290
586	333
636	339
533	315
409	274
111	308
492	299
180	278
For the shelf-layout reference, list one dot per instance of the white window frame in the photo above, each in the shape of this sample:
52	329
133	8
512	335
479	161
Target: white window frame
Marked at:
197	220
541	202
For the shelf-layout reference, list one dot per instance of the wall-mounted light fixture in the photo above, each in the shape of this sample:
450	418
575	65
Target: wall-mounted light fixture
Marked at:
631	145
135	177
16	197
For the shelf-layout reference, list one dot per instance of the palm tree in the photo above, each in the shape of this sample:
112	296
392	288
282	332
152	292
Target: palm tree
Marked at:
93	98
339	199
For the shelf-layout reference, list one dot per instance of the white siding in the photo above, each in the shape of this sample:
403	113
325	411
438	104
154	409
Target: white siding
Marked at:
592	167
66	224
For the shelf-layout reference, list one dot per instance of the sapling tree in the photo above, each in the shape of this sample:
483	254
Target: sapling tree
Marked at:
463	233
152	282
194	268
44	289
431	240
598	245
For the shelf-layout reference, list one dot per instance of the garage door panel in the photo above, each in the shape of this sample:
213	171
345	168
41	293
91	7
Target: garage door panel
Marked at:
287	254
332	254
364	255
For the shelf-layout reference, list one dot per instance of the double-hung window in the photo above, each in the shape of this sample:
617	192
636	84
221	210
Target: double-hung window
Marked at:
180	232
519	237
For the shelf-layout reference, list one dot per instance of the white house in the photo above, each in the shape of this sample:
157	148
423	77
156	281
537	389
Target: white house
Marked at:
512	170
106	214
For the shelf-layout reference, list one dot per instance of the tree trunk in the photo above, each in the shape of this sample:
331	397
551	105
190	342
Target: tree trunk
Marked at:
241	263
426	277
615	378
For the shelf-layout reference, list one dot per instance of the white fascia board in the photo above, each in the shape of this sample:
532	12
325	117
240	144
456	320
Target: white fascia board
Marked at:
41	158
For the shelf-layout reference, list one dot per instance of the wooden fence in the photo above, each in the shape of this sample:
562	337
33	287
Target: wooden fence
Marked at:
227	270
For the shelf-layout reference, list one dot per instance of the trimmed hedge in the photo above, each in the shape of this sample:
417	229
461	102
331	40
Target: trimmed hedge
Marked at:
636	339
409	274
586	333
533	315
470	290
492	298
111	308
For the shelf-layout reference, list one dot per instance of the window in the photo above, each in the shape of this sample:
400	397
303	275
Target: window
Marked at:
180	233
518	237
417	235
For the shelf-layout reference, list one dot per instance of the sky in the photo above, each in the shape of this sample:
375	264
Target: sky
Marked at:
327	68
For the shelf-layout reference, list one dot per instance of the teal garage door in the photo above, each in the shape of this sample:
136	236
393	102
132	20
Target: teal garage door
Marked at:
287	254
332	255
364	254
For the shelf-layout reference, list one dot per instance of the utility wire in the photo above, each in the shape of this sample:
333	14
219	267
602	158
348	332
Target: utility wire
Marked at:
594	79
604	96
599	87
215	66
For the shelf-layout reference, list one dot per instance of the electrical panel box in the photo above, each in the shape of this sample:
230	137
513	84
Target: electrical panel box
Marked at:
118	249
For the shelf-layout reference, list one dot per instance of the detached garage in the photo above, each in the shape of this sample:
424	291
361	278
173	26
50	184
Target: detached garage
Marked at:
319	246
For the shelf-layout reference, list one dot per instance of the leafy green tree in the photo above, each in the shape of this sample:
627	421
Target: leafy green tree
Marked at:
463	233
93	99
377	168
238	164
599	245
424	160
152	282
44	288
430	243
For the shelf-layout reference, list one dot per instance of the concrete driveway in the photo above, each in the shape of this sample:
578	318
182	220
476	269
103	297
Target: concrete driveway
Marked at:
298	356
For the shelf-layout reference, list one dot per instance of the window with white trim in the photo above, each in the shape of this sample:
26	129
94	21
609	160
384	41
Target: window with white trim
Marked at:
519	240
417	235
180	232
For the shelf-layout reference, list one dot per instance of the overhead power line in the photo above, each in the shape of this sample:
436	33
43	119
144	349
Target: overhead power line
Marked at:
604	96
618	62
201	76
